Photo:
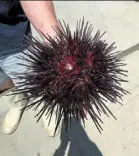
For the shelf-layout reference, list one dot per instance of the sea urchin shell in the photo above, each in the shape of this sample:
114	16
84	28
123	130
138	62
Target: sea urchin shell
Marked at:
72	74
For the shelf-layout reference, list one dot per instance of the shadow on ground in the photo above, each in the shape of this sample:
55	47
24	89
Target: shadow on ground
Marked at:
80	144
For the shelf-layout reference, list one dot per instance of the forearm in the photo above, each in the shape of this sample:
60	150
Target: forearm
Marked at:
42	15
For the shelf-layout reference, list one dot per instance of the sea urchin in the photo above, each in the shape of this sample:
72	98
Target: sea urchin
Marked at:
72	74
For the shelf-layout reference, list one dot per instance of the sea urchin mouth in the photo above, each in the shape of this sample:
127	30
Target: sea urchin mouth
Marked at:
72	65
72	74
67	64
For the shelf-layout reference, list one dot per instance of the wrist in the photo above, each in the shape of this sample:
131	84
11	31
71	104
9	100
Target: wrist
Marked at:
49	30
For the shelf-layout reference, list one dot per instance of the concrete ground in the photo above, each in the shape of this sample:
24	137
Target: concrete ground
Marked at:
119	138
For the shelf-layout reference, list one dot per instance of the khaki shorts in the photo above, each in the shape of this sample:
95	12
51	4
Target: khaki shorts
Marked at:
10	65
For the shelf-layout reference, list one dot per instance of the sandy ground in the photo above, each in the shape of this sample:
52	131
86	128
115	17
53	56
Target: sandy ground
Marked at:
119	138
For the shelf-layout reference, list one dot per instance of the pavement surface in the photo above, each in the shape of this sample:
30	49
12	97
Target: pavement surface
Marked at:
119	138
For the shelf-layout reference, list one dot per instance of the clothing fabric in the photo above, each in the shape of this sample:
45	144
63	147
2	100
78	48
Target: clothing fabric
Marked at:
14	25
10	66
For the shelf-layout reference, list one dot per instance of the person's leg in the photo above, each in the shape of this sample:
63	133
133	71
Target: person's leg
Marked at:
12	61
5	81
13	116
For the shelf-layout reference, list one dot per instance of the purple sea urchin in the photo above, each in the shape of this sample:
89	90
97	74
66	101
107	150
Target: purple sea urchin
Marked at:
72	74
